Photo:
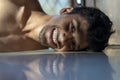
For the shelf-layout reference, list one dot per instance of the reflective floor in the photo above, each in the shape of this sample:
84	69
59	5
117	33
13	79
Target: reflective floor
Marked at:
39	65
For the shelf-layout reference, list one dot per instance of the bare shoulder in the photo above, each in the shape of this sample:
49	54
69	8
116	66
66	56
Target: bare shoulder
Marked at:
15	13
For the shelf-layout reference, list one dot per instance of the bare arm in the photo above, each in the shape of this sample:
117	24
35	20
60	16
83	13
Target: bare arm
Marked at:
18	43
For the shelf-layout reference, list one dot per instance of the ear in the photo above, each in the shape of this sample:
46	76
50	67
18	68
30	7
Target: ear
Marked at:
66	10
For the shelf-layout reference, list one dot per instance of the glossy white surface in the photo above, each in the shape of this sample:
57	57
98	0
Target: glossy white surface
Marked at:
36	65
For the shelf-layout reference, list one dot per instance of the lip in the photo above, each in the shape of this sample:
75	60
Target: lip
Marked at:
49	38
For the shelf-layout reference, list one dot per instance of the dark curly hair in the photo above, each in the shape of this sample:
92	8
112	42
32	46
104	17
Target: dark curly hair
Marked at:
100	27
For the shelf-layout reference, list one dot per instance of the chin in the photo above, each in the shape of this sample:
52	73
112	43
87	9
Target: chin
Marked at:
42	38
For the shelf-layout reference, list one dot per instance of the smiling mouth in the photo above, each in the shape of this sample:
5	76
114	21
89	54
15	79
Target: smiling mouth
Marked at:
52	37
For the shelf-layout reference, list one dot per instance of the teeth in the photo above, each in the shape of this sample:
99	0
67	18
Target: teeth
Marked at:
55	36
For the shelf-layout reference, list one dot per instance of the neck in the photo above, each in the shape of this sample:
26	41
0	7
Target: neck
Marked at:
35	24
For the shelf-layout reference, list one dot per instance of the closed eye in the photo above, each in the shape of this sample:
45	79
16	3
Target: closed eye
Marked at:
72	28
73	45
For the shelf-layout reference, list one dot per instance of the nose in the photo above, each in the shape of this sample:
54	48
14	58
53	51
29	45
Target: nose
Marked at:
65	37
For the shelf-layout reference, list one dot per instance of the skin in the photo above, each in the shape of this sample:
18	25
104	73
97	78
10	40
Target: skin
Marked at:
24	27
71	33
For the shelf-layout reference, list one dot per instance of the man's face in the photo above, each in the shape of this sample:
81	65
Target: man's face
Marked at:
65	33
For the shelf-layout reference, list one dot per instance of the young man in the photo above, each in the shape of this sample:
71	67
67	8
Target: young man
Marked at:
25	26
